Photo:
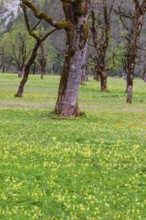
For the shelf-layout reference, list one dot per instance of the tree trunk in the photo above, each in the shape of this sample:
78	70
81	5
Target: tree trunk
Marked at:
42	74
34	68
144	78
67	102
132	38
130	66
129	94
3	68
84	75
42	61
101	70
103	82
21	72
27	69
101	42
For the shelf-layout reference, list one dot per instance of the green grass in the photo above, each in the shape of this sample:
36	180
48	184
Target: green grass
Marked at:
89	168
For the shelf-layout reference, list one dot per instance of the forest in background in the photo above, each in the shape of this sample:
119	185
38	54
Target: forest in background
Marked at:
16	45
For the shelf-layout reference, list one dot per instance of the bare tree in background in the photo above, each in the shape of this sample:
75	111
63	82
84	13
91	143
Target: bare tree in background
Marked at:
21	56
101	29
132	21
39	40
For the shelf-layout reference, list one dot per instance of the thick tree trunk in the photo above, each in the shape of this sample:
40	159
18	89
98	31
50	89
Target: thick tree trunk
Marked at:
27	70
76	13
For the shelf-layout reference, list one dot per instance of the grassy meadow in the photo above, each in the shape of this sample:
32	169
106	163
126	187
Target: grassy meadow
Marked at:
89	168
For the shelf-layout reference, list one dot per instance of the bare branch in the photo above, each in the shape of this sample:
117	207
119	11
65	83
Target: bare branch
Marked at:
62	24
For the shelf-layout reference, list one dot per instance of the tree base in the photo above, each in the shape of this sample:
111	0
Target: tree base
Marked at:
104	90
67	113
18	95
57	116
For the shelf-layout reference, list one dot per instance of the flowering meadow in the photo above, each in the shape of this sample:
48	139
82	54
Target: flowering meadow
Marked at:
88	168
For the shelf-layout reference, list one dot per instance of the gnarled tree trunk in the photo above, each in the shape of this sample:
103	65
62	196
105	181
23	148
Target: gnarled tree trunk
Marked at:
76	14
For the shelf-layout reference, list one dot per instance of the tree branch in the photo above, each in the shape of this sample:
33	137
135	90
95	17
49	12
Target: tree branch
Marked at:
62	24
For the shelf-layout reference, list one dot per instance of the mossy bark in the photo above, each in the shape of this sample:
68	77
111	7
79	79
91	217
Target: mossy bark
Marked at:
76	15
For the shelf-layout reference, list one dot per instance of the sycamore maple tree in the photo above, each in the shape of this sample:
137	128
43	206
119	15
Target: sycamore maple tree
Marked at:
76	29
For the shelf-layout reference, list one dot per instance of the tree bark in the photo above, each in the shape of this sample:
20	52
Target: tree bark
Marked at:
103	81
129	94
77	34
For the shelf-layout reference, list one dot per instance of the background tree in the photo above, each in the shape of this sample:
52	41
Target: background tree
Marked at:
42	59
101	29
39	37
132	21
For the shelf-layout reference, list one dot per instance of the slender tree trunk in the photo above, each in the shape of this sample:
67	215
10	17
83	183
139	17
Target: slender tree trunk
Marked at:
101	42
3	61
42	74
144	78
129	68
101	70
21	72
27	69
132	38
67	102
34	68
103	82
3	68
42	61
84	75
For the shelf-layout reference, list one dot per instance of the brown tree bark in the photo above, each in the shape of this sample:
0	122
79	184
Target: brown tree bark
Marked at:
76	14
